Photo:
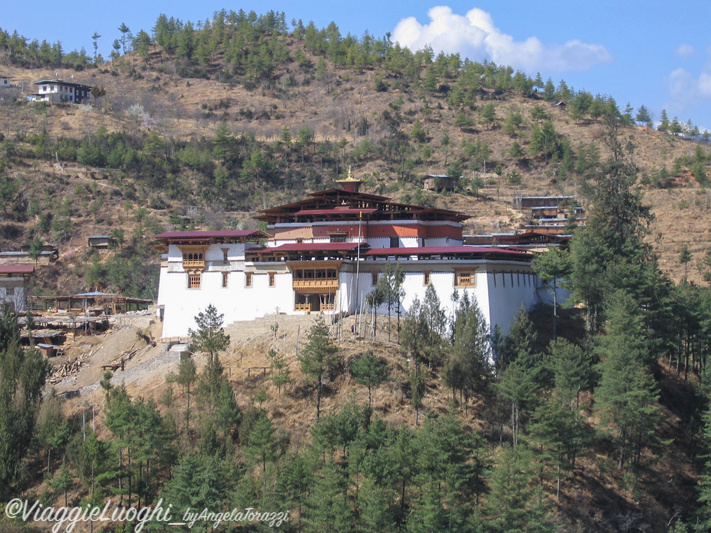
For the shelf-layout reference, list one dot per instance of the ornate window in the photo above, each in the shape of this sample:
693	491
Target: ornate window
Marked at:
464	278
194	280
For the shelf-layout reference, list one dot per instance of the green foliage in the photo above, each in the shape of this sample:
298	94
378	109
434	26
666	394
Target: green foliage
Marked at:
515	501
370	371
627	398
142	443
281	375
318	356
263	444
554	268
209	337
186	377
197	482
390	291
22	378
610	253
544	141
63	481
520	342
488	114
518	385
418	132
423	329
468	368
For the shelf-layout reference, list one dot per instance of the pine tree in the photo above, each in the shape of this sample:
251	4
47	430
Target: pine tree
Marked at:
186	377
63	481
685	259
468	367
643	116
572	370
318	356
22	378
515	501
610	252
390	288
704	498
375	507
553	267
557	435
281	375
328	507
209	337
663	121
519	344
370	371
197	482
263	443
518	386
627	400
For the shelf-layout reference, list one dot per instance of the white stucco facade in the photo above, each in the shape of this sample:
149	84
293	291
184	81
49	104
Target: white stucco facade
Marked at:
241	289
326	253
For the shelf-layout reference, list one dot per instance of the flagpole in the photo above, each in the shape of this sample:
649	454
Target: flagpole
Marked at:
360	221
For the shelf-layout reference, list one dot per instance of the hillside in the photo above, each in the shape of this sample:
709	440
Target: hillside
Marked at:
595	496
202	127
160	143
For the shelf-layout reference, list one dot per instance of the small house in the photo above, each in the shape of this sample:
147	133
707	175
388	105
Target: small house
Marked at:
13	285
101	242
440	182
5	82
60	91
49	254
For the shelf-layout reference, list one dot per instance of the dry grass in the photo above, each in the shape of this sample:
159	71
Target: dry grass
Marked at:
181	108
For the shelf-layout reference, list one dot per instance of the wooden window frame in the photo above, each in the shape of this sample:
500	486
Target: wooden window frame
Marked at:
374	277
248	279
272	279
427	278
465	278
194	280
224	279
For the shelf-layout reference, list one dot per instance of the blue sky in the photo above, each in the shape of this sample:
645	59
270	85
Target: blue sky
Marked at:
651	52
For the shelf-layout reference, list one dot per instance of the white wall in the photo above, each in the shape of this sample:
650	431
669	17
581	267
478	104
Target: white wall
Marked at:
497	297
498	303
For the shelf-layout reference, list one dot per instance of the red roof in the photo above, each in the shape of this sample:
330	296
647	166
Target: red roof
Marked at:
203	235
444	250
17	269
334	211
312	247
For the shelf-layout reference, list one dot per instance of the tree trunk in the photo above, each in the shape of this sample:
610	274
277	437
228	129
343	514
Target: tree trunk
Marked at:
555	309
318	399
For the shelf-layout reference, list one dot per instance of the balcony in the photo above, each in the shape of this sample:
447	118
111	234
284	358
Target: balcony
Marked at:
194	264
315	285
328	307
303	307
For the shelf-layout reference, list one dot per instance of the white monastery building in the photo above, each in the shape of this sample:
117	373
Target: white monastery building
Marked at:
326	253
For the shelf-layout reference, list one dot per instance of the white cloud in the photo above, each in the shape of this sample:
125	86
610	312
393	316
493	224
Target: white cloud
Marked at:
687	89
685	50
475	36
